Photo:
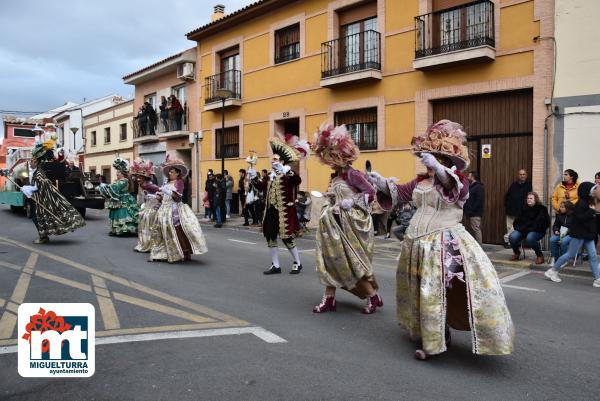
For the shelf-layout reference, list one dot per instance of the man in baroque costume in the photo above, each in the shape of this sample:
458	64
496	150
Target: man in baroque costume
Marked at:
280	218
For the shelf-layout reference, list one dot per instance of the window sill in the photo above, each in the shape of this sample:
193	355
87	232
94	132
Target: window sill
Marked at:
349	78
276	64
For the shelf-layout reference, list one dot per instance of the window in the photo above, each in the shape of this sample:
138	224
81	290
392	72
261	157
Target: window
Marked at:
93	139
107	135
151	99
360	44
230	63
287	44
92	173
123	128
23	133
362	125
106	174
231	142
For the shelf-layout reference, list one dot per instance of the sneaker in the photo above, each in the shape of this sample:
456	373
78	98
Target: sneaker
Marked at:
552	275
272	270
227	216
596	283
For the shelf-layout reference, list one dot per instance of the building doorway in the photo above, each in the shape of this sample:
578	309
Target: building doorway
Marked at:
503	123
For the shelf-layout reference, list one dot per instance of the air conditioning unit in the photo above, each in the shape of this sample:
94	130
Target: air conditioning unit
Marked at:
185	71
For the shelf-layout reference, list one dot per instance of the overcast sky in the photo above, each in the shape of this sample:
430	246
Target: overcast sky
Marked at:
55	51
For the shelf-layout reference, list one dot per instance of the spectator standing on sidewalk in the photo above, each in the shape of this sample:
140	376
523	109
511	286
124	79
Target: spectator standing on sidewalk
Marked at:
566	190
473	208
583	233
514	201
209	187
219	199
242	190
560	239
228	193
531	224
596	199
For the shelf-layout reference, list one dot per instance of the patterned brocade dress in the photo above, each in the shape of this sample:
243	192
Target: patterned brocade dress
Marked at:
444	276
345	237
123	208
147	217
176	231
56	216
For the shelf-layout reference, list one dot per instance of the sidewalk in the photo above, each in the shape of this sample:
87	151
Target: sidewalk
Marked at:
497	253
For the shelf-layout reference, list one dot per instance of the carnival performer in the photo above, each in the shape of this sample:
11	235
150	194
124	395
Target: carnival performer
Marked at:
444	277
51	213
123	208
142	171
280	218
176	234
345	230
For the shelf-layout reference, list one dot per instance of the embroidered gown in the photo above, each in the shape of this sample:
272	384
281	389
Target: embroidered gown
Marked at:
176	231
443	275
147	217
56	216
344	238
122	206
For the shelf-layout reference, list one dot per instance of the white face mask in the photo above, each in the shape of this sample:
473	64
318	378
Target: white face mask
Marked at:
277	166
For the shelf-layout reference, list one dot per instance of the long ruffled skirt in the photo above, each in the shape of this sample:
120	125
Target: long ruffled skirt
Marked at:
176	232
345	249
147	221
425	304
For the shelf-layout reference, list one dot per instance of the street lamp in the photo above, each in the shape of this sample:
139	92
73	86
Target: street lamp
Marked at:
223	94
74	131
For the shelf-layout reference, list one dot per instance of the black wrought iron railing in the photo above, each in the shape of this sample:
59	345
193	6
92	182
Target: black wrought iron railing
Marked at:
352	53
231	80
462	27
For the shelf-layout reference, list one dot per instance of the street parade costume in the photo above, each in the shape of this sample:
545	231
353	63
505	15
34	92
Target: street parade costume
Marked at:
444	277
51	213
150	205
280	218
176	234
122	206
344	240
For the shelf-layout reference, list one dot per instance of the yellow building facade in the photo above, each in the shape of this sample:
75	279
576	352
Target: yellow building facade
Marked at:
385	68
108	134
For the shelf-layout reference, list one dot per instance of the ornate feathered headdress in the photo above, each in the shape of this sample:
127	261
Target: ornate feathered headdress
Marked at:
334	145
445	138
121	165
142	167
174	163
44	151
289	149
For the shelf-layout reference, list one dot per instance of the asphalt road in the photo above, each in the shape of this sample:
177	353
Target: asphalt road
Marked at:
253	337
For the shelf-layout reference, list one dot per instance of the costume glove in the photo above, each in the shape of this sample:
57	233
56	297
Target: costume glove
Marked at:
346	204
430	161
378	181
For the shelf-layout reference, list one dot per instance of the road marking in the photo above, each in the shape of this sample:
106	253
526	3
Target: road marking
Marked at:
518	287
8	321
204	318
259	332
509	278
307	250
107	308
242	242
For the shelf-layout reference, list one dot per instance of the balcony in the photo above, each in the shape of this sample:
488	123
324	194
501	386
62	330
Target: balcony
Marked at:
454	36
151	128
353	58
231	80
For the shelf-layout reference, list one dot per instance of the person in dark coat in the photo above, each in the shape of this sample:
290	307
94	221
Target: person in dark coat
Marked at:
473	209
514	201
531	224
210	188
560	239
219	199
583	232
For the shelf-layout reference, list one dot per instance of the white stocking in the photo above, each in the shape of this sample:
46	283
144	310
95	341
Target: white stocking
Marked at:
274	256
295	255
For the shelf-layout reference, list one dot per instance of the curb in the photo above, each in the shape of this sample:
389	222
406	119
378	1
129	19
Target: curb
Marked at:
541	268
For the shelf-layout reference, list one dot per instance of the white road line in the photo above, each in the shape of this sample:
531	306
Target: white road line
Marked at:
259	332
518	287
307	250
241	242
509	278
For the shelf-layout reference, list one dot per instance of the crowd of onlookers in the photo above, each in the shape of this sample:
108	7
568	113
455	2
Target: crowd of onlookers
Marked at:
573	234
171	114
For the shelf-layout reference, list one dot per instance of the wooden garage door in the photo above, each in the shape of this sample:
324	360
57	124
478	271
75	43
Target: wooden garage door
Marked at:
505	121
